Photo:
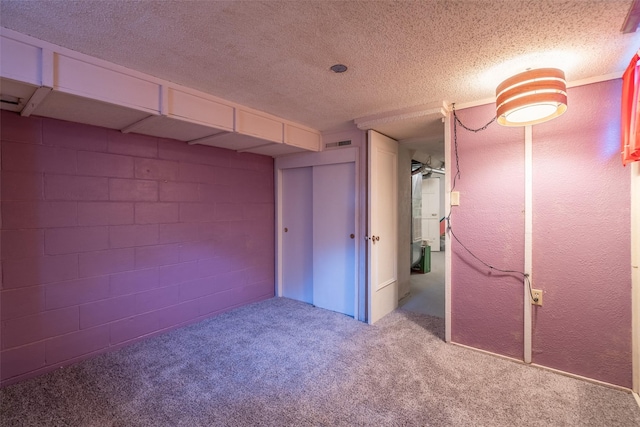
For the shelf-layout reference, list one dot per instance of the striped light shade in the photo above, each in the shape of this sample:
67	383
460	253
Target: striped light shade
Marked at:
532	97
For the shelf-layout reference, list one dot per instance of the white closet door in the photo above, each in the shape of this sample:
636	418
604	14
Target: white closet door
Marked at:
382	256
297	234
334	204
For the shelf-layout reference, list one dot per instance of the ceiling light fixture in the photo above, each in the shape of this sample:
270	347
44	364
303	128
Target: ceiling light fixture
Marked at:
532	97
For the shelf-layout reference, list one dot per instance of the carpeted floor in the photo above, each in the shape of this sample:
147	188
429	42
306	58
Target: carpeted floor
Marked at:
285	363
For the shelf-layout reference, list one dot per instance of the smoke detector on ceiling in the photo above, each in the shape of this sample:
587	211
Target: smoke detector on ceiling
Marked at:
338	68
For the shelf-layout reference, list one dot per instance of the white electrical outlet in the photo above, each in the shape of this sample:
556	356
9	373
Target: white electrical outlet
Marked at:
536	296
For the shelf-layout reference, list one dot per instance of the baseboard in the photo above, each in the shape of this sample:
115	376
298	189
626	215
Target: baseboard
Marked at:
490	353
635	396
587	379
403	298
557	371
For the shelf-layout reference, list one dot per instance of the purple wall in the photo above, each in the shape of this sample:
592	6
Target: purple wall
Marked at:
109	237
581	244
581	248
487	306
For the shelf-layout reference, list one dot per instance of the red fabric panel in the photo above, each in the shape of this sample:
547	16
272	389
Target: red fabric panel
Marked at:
630	144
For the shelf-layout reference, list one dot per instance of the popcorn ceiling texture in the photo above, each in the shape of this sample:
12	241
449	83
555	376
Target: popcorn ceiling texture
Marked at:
275	55
110	237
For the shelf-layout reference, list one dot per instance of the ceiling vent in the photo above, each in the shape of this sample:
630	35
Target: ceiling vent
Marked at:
339	144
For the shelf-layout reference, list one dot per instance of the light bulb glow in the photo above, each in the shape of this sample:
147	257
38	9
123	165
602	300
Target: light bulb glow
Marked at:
532	97
531	113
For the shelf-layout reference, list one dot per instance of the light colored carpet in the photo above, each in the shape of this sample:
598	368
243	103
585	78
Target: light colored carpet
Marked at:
285	363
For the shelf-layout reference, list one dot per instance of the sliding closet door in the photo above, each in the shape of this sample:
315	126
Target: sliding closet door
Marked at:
334	261
297	234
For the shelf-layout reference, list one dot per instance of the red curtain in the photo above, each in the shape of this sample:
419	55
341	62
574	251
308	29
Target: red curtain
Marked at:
630	112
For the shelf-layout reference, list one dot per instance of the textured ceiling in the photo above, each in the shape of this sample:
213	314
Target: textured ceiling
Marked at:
275	55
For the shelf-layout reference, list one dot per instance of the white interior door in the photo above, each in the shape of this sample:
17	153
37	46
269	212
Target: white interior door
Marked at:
297	234
334	207
382	226
431	212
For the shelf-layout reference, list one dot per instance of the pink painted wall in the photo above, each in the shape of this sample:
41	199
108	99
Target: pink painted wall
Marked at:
581	244
581	248
110	237
487	306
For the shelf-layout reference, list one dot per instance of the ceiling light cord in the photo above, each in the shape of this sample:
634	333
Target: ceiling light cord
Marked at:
456	176
455	139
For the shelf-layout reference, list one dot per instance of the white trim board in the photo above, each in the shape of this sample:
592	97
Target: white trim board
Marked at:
580	377
447	239
635	273
490	353
546	368
528	238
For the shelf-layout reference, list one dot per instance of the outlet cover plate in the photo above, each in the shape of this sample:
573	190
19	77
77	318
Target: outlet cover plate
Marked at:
537	293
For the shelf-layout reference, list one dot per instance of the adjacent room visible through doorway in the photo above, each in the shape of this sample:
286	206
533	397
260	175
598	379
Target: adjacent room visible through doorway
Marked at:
427	290
427	280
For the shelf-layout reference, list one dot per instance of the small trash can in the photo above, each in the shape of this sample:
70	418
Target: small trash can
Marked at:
425	259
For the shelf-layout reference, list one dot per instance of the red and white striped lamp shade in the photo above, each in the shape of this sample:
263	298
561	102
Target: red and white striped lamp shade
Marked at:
532	97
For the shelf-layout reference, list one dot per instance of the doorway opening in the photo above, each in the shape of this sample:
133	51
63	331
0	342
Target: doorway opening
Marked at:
427	279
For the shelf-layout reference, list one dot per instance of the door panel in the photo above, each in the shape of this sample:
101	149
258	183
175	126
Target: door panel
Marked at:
431	232
431	212
297	249
382	226
334	260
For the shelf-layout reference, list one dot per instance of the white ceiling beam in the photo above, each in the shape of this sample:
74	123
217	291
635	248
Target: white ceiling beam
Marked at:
631	22
206	139
370	122
38	96
140	123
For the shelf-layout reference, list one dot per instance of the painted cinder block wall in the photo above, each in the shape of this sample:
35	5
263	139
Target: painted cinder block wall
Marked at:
581	238
111	237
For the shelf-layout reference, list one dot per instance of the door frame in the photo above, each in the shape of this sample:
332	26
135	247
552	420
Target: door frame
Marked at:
342	155
448	124
635	277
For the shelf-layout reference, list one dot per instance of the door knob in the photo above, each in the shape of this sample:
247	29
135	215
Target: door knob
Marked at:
352	235
286	229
